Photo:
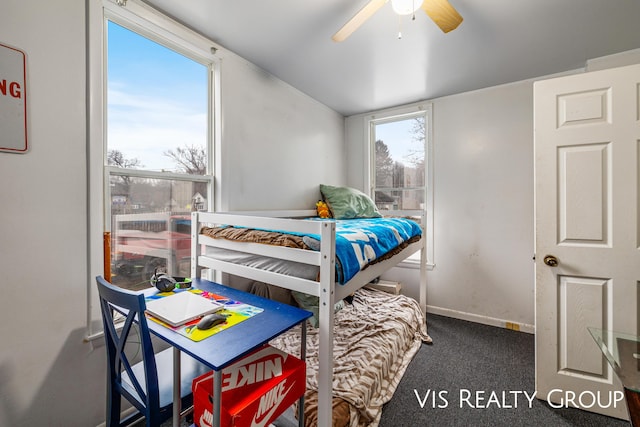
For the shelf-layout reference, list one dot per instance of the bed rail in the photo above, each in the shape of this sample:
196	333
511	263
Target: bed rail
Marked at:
325	289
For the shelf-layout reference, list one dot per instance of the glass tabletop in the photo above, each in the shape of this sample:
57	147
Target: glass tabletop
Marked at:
623	354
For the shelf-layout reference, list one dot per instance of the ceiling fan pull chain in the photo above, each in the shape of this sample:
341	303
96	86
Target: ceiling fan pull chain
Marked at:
399	27
439	11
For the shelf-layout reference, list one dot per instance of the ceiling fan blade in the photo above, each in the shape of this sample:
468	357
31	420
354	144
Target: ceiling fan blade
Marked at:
443	14
359	18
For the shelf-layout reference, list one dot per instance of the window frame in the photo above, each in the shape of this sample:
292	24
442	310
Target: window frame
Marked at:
147	22
393	115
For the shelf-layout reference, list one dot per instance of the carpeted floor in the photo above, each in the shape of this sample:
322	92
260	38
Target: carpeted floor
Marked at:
466	363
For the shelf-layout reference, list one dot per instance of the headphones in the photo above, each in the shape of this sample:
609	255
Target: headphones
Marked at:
166	283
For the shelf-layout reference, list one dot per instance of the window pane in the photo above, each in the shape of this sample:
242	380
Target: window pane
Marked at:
157	121
399	199
150	227
157	106
400	163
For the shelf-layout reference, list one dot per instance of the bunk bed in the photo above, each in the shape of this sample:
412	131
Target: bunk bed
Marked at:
289	270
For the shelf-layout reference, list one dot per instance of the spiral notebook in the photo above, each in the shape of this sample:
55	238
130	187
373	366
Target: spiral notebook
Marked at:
181	308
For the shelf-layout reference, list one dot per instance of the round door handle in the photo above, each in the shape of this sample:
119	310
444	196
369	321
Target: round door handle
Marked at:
551	261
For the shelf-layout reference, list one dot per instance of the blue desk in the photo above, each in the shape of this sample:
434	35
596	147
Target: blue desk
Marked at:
225	347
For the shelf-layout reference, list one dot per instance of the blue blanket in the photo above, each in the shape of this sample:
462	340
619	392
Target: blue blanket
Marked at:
362	241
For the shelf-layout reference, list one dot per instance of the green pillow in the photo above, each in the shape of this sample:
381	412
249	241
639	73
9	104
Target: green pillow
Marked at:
312	304
347	203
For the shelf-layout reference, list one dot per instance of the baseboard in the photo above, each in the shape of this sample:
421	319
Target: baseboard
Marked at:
485	320
123	414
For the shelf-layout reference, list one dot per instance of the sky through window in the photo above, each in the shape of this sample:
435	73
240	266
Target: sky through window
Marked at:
157	100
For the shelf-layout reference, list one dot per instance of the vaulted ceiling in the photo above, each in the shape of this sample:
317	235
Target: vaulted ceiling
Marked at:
499	41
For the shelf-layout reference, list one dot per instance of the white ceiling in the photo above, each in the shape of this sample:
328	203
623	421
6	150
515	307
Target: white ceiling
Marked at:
499	41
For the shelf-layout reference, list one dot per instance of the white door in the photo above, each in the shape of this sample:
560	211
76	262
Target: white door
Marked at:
587	139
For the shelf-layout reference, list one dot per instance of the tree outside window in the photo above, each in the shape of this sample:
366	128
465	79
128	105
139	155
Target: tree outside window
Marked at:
158	144
399	152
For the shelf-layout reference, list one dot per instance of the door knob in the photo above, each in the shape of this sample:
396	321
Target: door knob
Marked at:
551	261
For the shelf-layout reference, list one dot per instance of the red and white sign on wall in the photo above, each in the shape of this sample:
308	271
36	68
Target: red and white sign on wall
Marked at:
13	100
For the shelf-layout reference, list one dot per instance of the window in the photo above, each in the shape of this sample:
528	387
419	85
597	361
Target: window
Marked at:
399	159
152	105
157	155
151	137
401	169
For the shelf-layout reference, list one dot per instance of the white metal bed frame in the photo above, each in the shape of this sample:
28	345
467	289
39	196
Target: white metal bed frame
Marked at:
327	290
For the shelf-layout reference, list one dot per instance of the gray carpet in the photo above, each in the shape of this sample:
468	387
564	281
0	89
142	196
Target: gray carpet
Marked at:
467	360
480	359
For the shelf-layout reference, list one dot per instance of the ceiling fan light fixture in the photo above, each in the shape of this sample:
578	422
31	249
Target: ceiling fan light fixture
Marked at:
439	11
405	7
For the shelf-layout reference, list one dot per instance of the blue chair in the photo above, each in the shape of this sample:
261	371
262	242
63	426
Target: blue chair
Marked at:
139	383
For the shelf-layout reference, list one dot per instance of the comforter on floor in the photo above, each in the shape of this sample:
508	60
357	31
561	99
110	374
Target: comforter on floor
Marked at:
375	338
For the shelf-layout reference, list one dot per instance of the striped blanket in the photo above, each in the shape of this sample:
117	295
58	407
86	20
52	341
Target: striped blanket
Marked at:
375	338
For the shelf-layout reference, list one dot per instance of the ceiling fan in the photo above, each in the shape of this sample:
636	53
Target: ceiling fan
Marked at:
440	11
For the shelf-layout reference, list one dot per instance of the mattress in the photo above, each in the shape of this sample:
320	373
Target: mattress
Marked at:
359	243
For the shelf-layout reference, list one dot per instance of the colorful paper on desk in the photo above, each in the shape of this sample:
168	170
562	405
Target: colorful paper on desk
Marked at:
182	307
235	311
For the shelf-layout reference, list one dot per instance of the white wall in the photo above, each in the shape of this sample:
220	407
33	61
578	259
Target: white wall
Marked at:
47	372
484	224
621	59
483	205
278	144
483	201
48	375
